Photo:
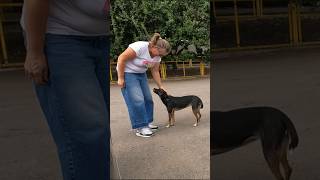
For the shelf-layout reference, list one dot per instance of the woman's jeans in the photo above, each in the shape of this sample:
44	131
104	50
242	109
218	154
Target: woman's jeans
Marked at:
75	103
138	98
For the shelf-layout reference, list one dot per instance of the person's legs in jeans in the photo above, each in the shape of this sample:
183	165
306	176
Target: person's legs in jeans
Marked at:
134	98
75	103
102	71
147	98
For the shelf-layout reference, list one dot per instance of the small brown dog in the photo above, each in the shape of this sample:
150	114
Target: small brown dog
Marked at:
238	127
177	103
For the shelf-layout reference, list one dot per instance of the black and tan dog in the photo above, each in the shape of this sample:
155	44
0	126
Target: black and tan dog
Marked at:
236	128
177	103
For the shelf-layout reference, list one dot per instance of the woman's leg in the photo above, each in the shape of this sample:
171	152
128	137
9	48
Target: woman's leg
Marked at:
134	99
76	107
147	98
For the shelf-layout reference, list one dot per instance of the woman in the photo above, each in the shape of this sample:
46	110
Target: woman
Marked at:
67	46
132	79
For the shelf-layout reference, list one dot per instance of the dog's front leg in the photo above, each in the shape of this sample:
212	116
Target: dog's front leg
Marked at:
196	112
169	113
172	119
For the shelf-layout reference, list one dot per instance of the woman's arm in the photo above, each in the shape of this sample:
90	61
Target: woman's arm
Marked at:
36	15
156	75
128	54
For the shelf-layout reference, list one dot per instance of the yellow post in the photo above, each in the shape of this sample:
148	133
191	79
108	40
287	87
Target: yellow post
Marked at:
184	69
111	79
163	71
290	23
294	24
214	8
299	24
190	62
258	7
254	7
3	42
201	68
236	21
261	8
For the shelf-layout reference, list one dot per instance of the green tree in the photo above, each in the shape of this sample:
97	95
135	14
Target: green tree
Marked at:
175	20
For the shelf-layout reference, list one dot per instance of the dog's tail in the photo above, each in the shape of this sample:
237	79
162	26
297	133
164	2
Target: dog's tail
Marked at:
201	104
292	133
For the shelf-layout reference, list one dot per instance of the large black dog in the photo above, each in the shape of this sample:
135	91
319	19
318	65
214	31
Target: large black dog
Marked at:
177	103
236	128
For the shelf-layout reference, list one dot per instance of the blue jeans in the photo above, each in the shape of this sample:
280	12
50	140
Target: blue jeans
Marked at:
75	103
138	98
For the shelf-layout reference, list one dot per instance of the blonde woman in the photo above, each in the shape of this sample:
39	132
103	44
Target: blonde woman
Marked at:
132	79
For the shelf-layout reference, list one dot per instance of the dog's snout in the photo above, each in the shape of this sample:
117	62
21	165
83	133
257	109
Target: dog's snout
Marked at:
157	91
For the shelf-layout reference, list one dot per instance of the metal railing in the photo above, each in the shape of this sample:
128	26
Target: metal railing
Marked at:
293	15
4	18
174	69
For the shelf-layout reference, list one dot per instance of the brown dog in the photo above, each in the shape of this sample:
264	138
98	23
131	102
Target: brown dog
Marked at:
177	103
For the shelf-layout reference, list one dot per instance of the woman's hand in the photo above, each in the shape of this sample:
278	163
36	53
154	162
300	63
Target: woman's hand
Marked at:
161	87
128	54
121	83
36	68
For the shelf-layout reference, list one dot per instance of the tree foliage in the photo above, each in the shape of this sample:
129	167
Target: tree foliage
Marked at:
175	20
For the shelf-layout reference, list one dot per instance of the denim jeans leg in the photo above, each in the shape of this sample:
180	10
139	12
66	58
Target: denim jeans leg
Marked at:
134	99
102	68
147	98
75	105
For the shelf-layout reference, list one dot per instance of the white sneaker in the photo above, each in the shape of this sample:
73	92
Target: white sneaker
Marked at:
144	132
151	126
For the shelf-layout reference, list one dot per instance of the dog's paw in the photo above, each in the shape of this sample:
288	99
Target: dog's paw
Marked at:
194	125
168	125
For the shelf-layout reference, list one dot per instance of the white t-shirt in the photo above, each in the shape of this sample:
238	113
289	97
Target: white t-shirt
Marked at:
143	59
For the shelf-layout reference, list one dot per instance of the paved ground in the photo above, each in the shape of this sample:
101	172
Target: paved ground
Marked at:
28	153
179	152
286	79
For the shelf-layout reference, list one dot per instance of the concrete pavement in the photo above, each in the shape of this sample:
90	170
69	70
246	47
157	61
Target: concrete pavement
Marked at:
28	152
288	79
179	152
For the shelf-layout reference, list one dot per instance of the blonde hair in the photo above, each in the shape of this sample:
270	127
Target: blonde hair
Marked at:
156	40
